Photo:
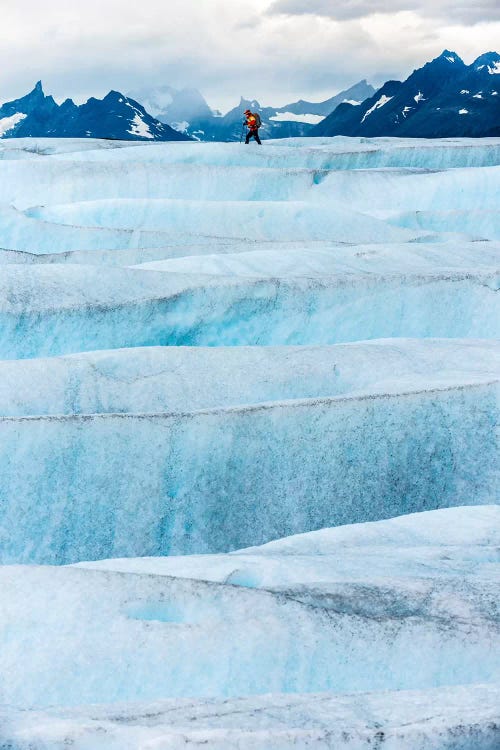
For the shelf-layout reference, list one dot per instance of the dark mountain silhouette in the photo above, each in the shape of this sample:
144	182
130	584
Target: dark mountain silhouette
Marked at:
116	116
444	98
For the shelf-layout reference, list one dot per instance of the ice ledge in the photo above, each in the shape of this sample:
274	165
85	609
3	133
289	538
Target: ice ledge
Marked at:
464	717
297	403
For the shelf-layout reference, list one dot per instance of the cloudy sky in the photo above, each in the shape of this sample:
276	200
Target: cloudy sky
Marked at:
272	50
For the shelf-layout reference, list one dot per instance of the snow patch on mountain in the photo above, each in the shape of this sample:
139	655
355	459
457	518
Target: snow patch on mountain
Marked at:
291	117
139	127
380	103
493	69
9	123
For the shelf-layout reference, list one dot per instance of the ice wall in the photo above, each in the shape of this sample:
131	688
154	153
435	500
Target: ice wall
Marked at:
105	486
26	235
25	185
260	220
481	224
333	153
50	310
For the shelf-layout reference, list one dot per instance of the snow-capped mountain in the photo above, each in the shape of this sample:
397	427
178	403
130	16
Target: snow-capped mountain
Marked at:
188	112
444	98
116	116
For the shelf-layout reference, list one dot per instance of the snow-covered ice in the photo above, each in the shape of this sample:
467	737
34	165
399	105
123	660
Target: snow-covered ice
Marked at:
288	617
50	309
188	379
337	426
434	545
248	444
458	718
340	610
261	220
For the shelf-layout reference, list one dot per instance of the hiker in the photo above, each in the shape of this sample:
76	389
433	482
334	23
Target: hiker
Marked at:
253	124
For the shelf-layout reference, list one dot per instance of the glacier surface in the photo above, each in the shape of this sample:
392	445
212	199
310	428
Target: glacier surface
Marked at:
344	441
248	444
272	614
337	611
453	718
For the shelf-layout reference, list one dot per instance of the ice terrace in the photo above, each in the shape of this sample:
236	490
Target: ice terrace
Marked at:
208	347
292	604
403	720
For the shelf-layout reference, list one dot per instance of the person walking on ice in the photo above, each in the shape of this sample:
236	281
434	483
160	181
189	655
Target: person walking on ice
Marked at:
253	124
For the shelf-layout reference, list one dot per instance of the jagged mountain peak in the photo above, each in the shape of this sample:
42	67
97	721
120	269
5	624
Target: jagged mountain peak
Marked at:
36	94
449	56
115	97
115	116
447	63
443	98
250	103
489	61
35	100
486	57
68	104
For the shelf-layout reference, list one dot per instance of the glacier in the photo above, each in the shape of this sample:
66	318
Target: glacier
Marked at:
363	594
295	600
454	718
249	444
341	445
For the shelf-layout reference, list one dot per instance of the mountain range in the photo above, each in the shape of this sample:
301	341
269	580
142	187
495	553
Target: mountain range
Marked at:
444	98
116	117
188	112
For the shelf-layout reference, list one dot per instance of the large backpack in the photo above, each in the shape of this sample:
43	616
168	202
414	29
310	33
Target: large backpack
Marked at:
258	121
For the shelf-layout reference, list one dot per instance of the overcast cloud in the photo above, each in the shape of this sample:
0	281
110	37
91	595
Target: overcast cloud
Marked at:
453	11
274	50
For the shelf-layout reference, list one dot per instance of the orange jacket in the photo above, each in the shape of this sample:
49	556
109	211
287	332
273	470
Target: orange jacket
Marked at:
251	122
